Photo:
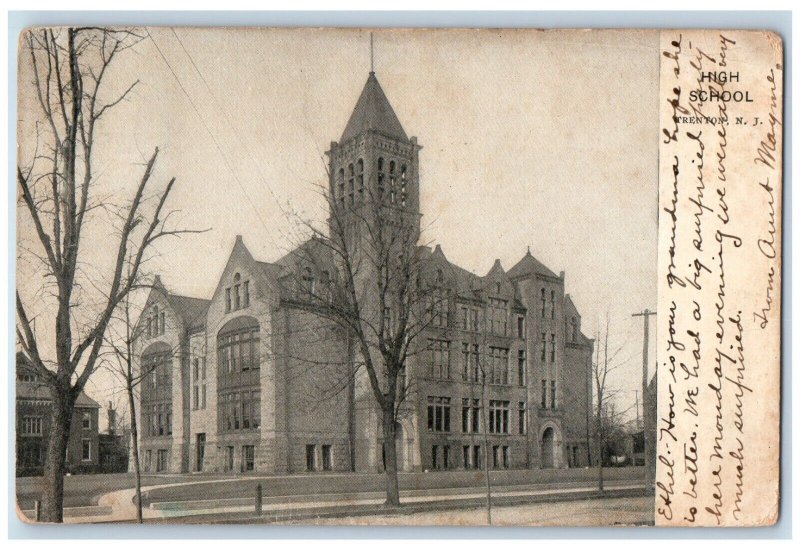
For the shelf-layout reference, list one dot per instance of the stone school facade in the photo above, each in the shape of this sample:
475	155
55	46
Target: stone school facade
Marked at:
250	380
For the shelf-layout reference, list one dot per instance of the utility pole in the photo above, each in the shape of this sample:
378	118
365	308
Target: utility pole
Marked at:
638	423
645	348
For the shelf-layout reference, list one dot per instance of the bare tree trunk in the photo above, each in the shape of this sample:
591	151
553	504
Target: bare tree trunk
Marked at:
60	423
390	453
135	443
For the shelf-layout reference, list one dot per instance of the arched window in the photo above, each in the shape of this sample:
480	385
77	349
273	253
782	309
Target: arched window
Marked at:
381	177
152	323
360	165
544	303
237	291
392	181
340	186
403	186
238	380
351	183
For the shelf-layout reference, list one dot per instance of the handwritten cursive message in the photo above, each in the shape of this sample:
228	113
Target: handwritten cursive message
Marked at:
718	324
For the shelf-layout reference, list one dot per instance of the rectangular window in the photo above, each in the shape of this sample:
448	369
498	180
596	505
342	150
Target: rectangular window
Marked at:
435	457
446	456
440	359
476	457
32	425
498	365
553	394
522	416
552	304
505	456
495	456
161	460
476	354
469	318
327	458
497	315
467	458
521	327
543	346
470	415
439	414
148	460
248	458
438	308
311	458
246	297
196	397
86	420
229	458
86	449
498	417
162	322
203	397
521	367
246	410
552	348
227	299
544	394
465	367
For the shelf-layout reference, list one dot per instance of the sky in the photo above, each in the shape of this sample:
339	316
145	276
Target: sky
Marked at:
540	139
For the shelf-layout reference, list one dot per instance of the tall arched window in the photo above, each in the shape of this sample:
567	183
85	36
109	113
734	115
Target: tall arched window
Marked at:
360	174
238	380
351	183
544	303
392	181
381	177
403	185
340	186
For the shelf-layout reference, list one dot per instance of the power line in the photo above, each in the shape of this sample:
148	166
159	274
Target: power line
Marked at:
210	133
225	113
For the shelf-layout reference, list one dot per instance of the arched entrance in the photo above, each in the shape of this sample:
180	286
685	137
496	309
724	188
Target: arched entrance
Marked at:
548	438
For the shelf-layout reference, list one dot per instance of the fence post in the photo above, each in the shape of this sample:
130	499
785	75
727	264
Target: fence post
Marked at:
37	510
259	499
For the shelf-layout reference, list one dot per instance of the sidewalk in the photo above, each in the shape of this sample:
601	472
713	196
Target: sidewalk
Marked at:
118	506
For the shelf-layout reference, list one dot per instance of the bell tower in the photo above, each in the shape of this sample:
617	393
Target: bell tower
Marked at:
374	167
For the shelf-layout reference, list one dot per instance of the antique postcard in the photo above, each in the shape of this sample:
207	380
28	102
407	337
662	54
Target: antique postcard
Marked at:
398	277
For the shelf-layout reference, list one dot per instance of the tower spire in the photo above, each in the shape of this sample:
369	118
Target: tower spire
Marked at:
371	54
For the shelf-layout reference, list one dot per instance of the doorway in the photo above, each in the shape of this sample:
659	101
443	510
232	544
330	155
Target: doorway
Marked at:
547	447
201	451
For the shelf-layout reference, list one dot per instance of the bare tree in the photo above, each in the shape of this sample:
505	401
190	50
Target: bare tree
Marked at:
120	340
378	291
58	188
606	415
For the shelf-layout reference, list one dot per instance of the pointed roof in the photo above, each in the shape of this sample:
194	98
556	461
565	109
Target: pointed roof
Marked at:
529	265
373	112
